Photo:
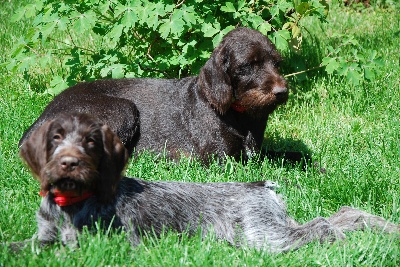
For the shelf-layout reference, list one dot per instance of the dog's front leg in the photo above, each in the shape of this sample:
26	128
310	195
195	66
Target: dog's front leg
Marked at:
50	231
251	146
55	223
46	217
69	235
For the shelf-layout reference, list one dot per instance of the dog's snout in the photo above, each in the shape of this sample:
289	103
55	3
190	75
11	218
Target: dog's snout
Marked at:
280	91
69	163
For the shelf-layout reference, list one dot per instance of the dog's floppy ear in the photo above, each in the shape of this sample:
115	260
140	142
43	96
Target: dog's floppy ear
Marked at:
34	149
215	82
112	164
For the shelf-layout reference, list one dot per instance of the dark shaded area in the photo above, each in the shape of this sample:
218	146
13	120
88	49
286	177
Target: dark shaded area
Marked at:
291	153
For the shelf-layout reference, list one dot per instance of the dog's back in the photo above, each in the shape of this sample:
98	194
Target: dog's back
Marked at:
223	111
240	213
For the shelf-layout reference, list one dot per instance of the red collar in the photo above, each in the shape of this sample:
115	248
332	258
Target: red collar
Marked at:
238	107
68	198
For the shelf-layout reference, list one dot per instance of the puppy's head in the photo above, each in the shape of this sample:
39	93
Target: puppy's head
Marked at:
243	70
75	152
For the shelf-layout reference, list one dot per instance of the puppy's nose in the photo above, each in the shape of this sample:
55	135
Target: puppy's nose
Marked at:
69	163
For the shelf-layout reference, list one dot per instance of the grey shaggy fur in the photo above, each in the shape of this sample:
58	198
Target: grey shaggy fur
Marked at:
244	214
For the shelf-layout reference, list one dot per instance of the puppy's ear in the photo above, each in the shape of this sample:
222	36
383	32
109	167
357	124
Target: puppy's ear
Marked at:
34	150
215	82
111	166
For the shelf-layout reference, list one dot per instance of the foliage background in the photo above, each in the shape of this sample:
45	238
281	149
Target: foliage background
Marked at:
167	38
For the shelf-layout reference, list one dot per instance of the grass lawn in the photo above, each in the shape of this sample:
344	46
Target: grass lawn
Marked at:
352	131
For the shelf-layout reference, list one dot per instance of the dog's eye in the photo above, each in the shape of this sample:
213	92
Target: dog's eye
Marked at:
256	61
245	69
57	137
277	65
90	141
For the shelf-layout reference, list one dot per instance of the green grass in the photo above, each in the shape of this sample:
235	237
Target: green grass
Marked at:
353	132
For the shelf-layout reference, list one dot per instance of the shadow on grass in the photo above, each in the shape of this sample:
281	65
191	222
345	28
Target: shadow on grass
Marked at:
290	153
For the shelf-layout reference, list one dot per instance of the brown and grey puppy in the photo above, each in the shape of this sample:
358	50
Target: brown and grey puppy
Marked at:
222	111
78	162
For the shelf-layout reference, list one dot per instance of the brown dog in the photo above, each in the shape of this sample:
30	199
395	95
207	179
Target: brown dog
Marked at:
223	111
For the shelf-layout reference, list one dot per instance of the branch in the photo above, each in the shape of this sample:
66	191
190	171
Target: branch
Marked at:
303	71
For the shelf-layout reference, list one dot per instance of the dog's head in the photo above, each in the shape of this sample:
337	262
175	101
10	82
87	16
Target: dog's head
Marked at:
75	152
243	71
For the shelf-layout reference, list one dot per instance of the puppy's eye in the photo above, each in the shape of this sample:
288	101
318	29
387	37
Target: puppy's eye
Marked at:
256	61
90	141
57	137
245	69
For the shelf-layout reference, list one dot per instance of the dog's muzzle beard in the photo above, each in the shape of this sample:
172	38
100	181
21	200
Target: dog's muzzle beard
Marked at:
68	183
66	192
79	171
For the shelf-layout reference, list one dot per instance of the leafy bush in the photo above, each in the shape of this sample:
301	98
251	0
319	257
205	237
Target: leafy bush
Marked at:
355	65
94	39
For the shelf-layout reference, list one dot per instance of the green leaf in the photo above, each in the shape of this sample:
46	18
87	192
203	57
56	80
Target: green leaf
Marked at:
189	15
103	7
274	10
104	72
62	23
209	30
158	11
280	39
331	64
129	18
165	29
174	26
241	4
47	29
18	15
295	31
229	7
343	68
255	20
119	9
85	22
58	84
217	38
302	8
28	11
117	71
265	28
353	76
177	23
115	32
379	62
369	74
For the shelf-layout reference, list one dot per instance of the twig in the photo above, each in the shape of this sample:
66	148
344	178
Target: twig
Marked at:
179	4
300	72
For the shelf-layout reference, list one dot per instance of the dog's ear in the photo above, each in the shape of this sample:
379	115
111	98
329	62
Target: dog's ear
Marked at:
215	82
34	150
112	164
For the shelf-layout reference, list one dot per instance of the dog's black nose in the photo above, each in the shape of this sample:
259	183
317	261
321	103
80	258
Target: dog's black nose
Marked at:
280	91
69	163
